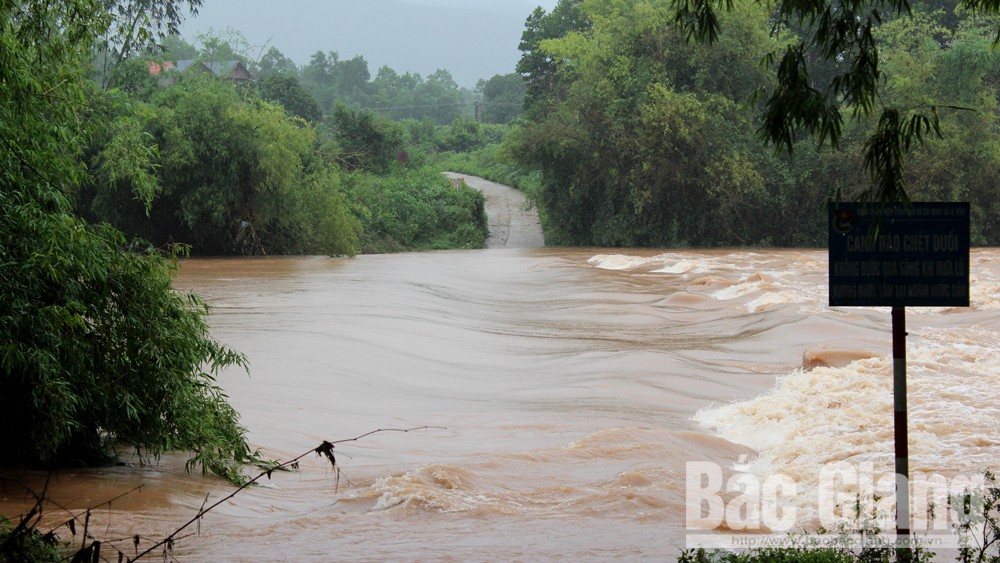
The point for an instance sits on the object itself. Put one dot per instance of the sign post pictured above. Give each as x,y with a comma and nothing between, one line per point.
899,255
902,444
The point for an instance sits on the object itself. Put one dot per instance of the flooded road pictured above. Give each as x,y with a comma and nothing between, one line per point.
567,389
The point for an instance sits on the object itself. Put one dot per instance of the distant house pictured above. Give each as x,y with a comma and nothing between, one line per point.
234,71
168,71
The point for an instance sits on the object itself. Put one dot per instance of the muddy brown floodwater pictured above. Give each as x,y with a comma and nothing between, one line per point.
570,387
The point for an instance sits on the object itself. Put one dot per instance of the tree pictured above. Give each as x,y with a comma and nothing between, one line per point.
502,98
364,140
229,45
846,32
285,89
234,176
275,62
97,351
438,97
393,94
133,77
332,80
637,145
416,208
539,68
351,81
929,58
175,48
466,135
318,78
325,225
408,95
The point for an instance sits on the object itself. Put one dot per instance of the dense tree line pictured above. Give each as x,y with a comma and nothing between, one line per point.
330,80
644,138
408,95
256,167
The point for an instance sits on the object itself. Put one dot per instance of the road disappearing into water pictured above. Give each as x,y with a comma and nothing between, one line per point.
512,220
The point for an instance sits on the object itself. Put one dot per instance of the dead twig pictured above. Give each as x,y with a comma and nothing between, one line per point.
325,449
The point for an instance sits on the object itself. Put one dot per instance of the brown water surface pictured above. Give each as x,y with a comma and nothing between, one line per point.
568,388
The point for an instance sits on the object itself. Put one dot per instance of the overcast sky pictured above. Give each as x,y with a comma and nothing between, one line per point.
472,39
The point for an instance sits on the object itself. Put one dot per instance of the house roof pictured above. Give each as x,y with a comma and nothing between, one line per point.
184,64
234,70
156,68
222,68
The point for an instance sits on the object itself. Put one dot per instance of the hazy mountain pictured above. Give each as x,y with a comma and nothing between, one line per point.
471,38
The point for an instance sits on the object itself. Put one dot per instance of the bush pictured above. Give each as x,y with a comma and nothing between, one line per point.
20,543
415,209
99,351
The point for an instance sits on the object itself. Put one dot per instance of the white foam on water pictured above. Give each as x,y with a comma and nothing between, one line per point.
620,261
773,298
746,286
833,415
682,266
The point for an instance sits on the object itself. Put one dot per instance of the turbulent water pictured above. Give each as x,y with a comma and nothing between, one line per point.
564,390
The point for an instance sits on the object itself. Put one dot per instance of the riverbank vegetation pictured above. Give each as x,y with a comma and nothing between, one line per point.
639,137
621,130
98,354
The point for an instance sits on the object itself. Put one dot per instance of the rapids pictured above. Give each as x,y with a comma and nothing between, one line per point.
566,388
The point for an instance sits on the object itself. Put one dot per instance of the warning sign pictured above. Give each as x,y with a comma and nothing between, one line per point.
909,255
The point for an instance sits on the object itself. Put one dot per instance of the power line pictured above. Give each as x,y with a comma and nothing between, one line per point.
427,106
463,104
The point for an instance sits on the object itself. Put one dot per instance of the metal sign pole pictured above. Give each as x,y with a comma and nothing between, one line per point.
900,435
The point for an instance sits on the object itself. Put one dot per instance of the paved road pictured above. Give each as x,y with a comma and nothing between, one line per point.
513,223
